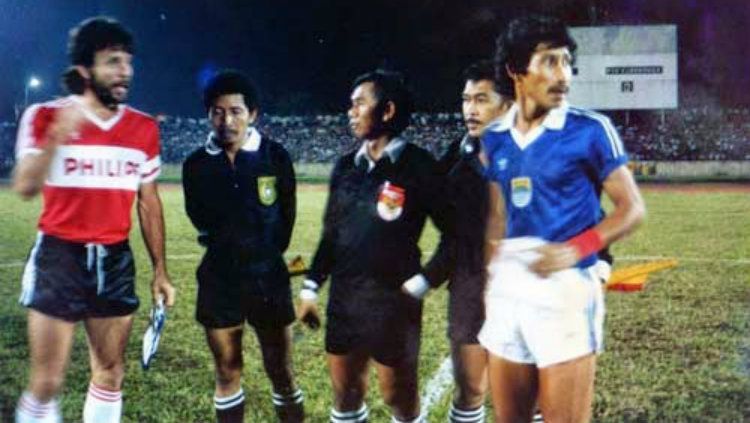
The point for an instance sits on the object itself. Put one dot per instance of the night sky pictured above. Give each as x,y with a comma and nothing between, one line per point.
304,54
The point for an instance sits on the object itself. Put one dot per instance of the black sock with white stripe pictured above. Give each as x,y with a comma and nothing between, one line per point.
466,415
230,409
289,407
357,416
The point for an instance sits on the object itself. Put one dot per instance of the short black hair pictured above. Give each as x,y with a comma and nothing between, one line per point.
390,86
230,82
516,45
96,34
483,70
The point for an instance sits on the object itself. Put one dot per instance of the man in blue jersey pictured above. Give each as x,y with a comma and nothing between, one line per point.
549,162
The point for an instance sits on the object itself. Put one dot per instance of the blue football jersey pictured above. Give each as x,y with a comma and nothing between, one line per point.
551,177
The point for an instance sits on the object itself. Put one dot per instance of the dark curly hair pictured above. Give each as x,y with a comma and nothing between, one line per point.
95,34
230,82
516,45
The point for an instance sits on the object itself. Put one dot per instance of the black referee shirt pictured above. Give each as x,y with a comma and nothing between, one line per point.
373,219
468,189
246,209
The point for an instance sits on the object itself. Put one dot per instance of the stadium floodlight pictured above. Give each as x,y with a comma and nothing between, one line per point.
33,83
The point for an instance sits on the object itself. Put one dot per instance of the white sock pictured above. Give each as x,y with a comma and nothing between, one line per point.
102,405
30,410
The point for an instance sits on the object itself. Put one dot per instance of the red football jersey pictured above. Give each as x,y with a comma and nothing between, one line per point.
94,177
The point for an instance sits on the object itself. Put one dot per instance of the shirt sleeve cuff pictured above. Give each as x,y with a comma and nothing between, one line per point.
417,286
27,151
309,291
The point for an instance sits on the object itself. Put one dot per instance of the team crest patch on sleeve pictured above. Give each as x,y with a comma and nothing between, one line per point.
391,202
521,191
267,190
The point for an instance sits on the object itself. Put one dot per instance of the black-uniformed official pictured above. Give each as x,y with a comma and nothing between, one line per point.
380,197
482,103
240,196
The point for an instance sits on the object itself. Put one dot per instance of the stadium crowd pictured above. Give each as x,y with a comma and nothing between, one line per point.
686,134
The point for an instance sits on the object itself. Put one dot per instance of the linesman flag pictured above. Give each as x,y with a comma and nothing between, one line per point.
153,333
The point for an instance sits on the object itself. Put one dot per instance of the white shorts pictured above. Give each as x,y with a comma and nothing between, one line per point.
541,321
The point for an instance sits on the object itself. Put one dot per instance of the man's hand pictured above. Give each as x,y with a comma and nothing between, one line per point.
161,287
308,313
32,170
67,122
554,257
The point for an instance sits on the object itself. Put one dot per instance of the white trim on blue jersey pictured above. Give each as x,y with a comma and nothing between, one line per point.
614,139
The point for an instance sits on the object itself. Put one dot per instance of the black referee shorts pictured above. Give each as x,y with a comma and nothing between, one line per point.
383,322
465,307
74,281
230,293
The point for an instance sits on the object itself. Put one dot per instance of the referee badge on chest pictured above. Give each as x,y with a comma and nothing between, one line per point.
391,202
521,191
267,190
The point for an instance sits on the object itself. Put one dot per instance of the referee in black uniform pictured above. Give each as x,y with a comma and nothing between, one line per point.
240,196
482,103
380,197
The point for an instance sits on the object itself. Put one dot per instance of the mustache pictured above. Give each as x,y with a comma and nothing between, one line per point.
223,134
474,121
227,131
124,84
559,89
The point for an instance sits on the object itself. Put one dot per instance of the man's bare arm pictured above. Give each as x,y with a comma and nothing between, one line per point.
495,231
151,217
32,170
629,212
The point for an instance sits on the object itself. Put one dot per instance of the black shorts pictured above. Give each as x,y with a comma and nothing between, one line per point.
230,294
73,281
465,308
382,322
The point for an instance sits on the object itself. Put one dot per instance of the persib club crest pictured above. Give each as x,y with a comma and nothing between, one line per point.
521,191
267,190
391,202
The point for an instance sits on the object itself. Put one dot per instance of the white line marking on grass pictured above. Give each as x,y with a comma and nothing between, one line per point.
437,385
182,256
740,261
685,259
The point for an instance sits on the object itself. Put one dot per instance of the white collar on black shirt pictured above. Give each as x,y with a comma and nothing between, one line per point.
251,144
393,150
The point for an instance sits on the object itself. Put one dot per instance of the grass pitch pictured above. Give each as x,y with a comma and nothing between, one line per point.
677,352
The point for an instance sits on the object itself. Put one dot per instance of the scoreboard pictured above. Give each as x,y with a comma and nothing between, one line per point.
625,67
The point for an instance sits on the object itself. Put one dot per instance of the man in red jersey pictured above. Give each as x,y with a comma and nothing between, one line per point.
90,156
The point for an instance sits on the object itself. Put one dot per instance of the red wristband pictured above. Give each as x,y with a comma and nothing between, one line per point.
587,242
